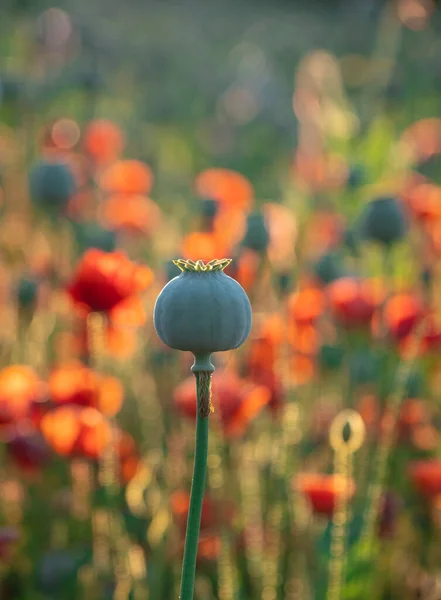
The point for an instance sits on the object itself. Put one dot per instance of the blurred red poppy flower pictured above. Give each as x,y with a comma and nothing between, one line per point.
103,280
402,312
323,491
131,213
203,245
28,450
306,305
230,188
353,301
426,477
75,430
103,141
422,139
424,201
238,401
77,384
127,177
319,171
20,387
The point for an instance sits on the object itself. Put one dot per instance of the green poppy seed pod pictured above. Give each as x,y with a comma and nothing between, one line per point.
256,236
92,235
51,184
202,311
328,268
383,221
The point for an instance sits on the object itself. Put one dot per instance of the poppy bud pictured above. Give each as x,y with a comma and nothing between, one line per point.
202,311
256,236
91,235
27,292
51,185
209,208
383,221
328,268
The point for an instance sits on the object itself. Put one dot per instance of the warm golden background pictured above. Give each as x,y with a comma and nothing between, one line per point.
301,139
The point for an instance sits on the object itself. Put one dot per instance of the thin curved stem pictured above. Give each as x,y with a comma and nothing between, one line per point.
203,385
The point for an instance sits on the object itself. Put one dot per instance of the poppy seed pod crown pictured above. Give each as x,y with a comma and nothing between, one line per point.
202,311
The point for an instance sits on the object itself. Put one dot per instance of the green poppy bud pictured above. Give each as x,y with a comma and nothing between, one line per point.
202,311
51,185
27,291
91,235
328,268
256,236
383,221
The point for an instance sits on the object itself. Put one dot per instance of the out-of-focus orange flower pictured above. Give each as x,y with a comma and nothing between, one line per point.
103,280
128,456
133,214
426,477
323,491
75,430
422,139
302,369
306,305
323,232
121,342
203,245
230,226
103,140
369,408
20,387
230,188
319,172
424,201
352,301
304,339
269,379
425,437
401,314
238,401
246,269
282,228
77,384
127,177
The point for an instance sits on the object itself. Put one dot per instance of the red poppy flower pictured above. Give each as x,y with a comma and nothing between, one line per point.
131,213
77,384
422,139
103,280
75,430
401,313
28,451
353,301
426,477
103,140
424,201
230,188
306,305
203,245
19,388
127,177
323,491
238,401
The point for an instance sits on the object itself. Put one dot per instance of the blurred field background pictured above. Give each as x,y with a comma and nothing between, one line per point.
300,139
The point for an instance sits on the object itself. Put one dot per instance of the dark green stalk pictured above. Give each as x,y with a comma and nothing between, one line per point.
203,385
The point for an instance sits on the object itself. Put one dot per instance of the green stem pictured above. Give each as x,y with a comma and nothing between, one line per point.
203,385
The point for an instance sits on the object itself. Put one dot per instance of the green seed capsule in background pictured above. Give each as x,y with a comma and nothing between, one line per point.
256,237
202,311
383,221
51,185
